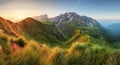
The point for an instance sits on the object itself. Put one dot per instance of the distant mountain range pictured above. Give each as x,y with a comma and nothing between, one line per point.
70,17
115,28
41,17
57,29
69,21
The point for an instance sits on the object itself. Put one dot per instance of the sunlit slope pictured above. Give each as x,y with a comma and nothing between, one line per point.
38,31
9,27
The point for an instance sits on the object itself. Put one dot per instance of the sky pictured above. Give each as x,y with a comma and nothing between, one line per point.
16,10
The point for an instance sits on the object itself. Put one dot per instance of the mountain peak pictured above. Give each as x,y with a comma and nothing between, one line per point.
71,14
41,17
1,18
74,18
27,19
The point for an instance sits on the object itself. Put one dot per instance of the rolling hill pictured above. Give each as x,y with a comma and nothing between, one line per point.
38,31
9,27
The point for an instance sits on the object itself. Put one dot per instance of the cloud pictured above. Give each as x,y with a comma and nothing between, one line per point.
4,1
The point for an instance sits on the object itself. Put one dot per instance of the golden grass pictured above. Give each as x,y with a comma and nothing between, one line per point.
53,54
41,54
0,49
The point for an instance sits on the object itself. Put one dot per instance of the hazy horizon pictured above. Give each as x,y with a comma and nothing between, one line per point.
17,10
76,32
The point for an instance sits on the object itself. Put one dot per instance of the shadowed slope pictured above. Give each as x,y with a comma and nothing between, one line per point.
39,31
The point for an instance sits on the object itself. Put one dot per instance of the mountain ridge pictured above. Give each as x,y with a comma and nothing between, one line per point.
61,28
9,27
41,17
115,28
68,22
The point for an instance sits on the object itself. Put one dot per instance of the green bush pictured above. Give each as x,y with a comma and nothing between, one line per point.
21,42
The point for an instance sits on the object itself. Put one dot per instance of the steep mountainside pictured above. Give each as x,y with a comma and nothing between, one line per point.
75,19
68,22
39,31
9,27
71,20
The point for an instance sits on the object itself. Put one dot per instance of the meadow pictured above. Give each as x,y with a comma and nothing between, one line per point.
20,51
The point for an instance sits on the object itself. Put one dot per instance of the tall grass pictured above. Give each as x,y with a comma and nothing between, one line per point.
79,53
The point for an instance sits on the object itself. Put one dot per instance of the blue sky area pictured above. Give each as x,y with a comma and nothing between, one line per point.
97,9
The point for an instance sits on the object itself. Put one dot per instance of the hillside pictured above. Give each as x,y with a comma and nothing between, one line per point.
68,39
71,21
9,27
57,29
20,51
40,32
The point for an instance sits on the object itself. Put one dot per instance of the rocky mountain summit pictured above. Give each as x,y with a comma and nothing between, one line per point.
72,17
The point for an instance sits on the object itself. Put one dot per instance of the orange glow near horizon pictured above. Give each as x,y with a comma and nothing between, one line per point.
17,10
18,15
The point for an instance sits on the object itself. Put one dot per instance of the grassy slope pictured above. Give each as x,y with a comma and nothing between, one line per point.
38,31
83,49
9,27
85,46
98,33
